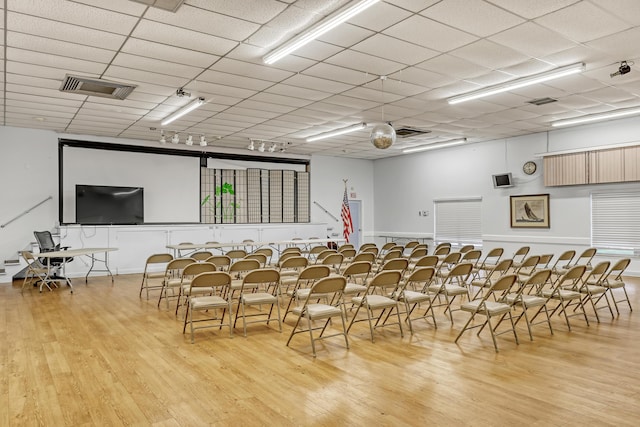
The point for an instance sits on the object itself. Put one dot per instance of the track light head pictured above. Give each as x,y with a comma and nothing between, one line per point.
623,69
273,148
163,140
203,141
189,140
251,146
175,138
261,147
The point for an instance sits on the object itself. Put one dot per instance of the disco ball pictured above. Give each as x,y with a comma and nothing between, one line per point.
383,136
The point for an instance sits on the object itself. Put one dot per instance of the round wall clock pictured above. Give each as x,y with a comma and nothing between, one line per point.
529,168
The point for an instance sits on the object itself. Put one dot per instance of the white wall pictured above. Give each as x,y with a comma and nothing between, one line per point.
327,189
407,184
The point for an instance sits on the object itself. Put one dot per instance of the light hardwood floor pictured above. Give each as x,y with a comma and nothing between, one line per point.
102,356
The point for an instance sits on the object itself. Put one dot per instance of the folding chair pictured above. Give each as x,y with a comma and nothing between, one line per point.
156,260
565,291
258,281
592,288
452,286
304,281
188,273
420,278
498,307
173,277
613,280
217,283
35,273
529,295
330,288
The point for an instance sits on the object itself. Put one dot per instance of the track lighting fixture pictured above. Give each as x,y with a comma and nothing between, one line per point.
182,111
519,83
189,140
251,146
203,141
163,140
317,30
273,147
175,138
261,147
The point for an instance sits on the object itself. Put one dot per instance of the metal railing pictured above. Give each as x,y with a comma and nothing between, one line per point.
326,211
25,212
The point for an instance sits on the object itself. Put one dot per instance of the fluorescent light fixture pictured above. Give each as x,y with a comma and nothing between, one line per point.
337,132
597,117
519,83
435,145
182,111
317,30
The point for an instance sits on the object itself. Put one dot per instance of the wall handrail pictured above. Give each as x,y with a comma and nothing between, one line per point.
326,211
25,212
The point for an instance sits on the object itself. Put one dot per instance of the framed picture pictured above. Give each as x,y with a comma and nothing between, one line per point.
530,211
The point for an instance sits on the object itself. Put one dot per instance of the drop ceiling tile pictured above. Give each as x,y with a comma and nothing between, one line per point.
55,61
51,100
533,40
346,35
164,33
126,60
57,47
365,63
421,77
130,74
583,22
396,87
622,45
40,71
428,33
263,106
77,14
371,94
258,11
240,118
38,91
205,21
351,102
339,74
453,67
168,53
280,99
297,92
473,16
379,16
394,49
233,80
576,84
122,6
317,51
39,112
20,79
251,70
532,9
609,95
489,54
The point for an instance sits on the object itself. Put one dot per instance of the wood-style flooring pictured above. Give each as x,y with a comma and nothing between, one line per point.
104,357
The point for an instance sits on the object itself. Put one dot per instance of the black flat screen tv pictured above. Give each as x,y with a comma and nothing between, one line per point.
106,205
502,180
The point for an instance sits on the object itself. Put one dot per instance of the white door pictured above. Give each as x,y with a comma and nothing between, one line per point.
355,206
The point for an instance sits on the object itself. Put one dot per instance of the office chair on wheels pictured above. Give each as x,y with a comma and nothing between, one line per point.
46,244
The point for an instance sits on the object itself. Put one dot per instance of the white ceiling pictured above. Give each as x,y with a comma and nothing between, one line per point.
430,50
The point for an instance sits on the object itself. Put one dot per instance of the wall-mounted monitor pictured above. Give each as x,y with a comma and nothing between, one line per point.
107,205
502,180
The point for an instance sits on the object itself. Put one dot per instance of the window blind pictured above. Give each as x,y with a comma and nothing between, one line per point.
458,221
615,221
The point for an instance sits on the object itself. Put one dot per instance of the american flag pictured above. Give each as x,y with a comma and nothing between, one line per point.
347,225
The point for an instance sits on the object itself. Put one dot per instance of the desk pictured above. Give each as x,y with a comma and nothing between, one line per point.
90,252
233,245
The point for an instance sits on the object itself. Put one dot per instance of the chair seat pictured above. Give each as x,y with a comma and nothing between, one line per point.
593,289
237,284
375,301
187,290
527,300
565,294
288,281
493,308
413,297
302,294
354,288
483,283
204,303
259,298
175,283
155,275
613,285
448,289
317,311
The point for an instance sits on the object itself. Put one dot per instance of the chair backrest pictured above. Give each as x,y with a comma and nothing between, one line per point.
529,263
334,259
442,250
452,258
268,252
460,272
616,271
544,261
387,246
221,261
471,256
357,268
314,272
211,279
243,265
365,246
586,257
537,280
345,247
466,248
392,254
564,259
201,255
399,264
294,250
348,253
292,262
328,285
322,255
158,259
236,254
501,267
283,257
199,267
176,266
573,276
427,261
385,279
421,275
504,283
417,253
261,258
597,273
371,249
314,251
45,241
442,245
411,244
266,276
364,256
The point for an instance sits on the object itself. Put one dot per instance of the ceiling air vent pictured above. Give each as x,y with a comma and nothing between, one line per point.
170,5
542,101
407,132
95,87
